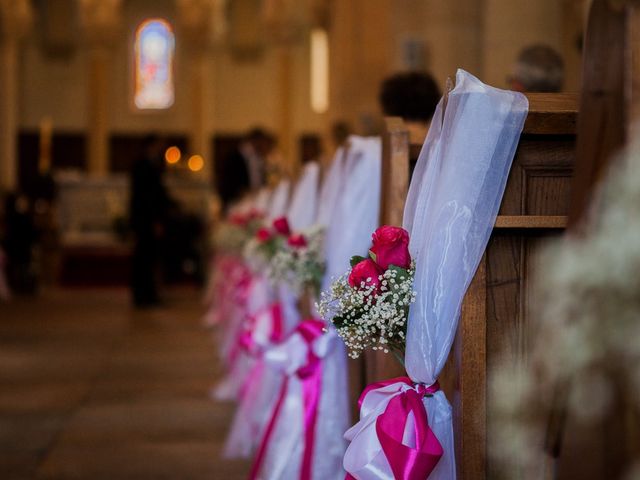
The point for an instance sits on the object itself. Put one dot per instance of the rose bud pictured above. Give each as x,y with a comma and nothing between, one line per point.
391,247
297,240
263,234
366,271
281,225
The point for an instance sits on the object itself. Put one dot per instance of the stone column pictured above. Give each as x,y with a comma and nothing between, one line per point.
285,22
15,20
100,20
199,24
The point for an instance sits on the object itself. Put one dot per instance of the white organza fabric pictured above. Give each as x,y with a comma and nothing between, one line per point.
304,200
453,201
356,211
331,188
261,202
279,200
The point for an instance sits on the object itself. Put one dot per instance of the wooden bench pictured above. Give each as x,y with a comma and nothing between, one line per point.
495,311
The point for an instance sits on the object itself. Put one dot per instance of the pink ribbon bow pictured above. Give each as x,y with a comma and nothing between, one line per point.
386,410
309,372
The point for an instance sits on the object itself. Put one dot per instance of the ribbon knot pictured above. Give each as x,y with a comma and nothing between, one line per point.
393,434
309,372
427,390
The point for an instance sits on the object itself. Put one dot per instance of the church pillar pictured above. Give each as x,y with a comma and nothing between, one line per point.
197,20
285,81
286,24
15,17
100,20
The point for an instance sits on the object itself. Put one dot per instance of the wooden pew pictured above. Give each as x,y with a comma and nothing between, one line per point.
495,311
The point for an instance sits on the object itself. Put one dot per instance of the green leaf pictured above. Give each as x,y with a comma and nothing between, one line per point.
373,256
400,271
356,259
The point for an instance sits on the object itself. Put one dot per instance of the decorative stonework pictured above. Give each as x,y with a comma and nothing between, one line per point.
202,22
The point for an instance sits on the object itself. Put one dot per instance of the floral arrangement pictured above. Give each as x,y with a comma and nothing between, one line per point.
585,358
233,233
265,243
369,305
299,262
295,258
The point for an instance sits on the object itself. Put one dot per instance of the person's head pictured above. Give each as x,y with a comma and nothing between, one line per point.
261,141
539,68
340,131
413,96
152,145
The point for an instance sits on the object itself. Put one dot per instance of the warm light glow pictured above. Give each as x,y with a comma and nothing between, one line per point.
154,48
172,155
195,163
319,70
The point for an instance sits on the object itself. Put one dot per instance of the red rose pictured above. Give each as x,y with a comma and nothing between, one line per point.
366,271
263,234
281,226
297,240
391,247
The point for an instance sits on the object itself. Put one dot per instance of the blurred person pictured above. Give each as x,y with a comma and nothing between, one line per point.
413,96
148,209
244,170
340,131
19,240
538,68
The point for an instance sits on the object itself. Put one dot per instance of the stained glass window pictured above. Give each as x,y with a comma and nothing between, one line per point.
154,50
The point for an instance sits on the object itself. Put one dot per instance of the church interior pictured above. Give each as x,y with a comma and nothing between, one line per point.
162,160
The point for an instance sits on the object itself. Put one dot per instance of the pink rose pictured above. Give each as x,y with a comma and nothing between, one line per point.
281,225
263,234
366,271
391,247
297,240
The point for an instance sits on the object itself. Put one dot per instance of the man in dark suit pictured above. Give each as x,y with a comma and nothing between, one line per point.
244,170
149,203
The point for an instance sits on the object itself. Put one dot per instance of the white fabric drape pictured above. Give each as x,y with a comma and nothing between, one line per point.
304,200
356,212
331,188
453,200
261,202
279,200
349,208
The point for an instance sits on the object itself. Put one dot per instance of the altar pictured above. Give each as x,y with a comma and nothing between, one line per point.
95,243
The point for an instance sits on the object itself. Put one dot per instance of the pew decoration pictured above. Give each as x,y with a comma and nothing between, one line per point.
405,429
299,263
295,259
231,236
369,305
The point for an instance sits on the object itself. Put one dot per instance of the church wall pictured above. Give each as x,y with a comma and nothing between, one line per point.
243,93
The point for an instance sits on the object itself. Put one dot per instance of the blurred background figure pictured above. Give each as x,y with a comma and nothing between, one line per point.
340,132
19,241
149,206
244,170
538,68
413,96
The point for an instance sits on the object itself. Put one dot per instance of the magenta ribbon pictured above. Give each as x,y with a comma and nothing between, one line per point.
310,374
407,463
248,344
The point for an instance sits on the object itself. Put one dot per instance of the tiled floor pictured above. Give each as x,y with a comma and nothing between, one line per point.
90,389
